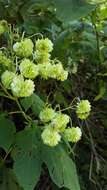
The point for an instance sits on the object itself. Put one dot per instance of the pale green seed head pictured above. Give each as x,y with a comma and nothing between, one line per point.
28,69
60,121
23,48
83,109
47,114
42,57
44,45
21,88
50,137
7,78
73,134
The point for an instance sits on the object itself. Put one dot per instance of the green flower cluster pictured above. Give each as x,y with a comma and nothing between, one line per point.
30,64
83,109
56,124
17,84
48,68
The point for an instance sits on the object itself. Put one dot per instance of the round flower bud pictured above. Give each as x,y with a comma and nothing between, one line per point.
60,121
44,70
50,137
17,85
21,88
44,45
41,57
58,72
23,48
47,114
83,109
28,88
3,26
73,134
7,78
28,69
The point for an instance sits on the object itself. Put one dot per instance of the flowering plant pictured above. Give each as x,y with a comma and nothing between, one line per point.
46,131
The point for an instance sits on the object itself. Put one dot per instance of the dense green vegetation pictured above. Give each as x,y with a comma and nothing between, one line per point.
34,155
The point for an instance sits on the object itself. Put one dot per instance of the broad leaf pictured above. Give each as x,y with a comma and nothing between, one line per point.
69,10
61,168
27,162
7,132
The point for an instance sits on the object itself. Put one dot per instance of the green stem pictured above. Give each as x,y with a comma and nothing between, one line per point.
6,92
28,118
93,19
23,113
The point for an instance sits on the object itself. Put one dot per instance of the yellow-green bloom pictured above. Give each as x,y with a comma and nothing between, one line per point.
41,57
47,114
44,70
28,69
57,72
60,121
73,134
28,88
21,87
44,45
83,109
50,137
7,78
23,48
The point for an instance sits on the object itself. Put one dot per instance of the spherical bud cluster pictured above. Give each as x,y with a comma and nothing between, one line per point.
45,70
42,57
23,48
57,123
44,45
73,134
48,68
60,121
83,109
4,60
57,72
47,114
21,87
28,69
3,26
7,78
50,137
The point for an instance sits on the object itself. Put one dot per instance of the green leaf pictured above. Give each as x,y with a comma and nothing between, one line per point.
69,10
61,168
34,102
27,160
8,180
7,132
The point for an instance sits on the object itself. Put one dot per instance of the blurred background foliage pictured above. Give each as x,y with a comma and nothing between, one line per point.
78,29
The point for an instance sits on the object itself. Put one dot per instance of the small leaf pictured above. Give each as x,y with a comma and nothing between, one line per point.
7,132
